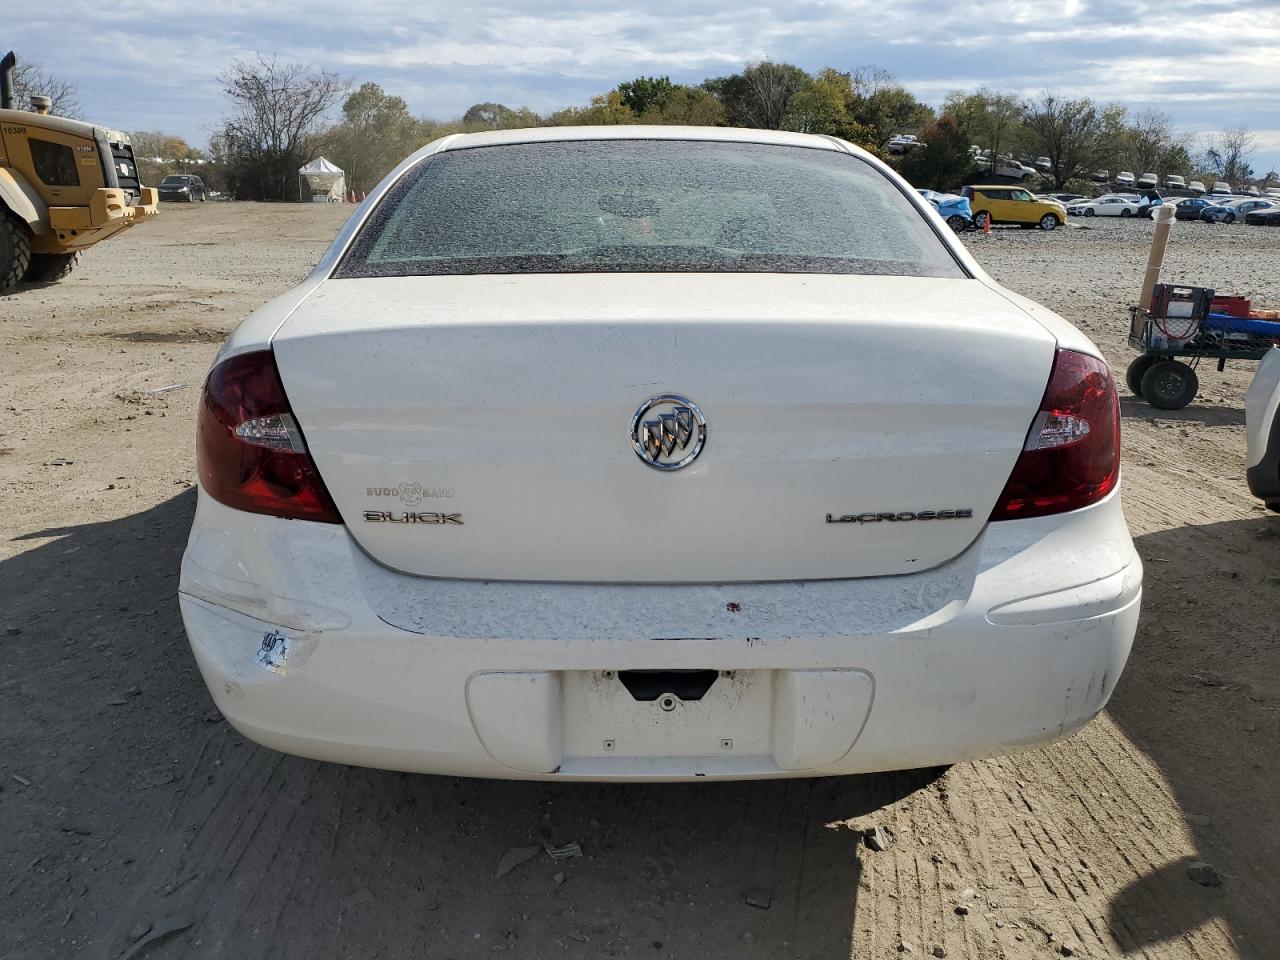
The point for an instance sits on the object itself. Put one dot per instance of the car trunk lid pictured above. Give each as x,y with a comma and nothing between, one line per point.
479,427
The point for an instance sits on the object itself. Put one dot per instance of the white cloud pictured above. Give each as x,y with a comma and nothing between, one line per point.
146,63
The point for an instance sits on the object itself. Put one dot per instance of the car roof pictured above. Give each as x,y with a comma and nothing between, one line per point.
491,138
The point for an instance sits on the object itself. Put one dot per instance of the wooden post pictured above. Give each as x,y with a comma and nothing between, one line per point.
1163,216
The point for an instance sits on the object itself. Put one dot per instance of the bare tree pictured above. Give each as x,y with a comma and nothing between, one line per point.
276,125
1150,141
870,80
1071,133
30,80
768,89
1227,154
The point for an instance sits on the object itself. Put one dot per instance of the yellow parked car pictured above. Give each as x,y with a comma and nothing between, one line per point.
1008,204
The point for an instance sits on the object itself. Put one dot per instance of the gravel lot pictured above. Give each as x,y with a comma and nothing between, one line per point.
127,805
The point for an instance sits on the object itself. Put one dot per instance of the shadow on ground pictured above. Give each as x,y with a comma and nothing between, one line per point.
1201,697
1209,415
141,806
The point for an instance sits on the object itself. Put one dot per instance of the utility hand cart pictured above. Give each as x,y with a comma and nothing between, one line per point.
1177,331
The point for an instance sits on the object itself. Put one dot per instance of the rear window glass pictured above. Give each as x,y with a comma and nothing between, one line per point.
646,206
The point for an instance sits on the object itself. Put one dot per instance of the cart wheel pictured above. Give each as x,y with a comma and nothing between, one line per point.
1169,385
1133,375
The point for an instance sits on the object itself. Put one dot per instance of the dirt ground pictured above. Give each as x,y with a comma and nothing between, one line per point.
127,804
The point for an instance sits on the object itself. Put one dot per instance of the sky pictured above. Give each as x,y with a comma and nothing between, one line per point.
154,65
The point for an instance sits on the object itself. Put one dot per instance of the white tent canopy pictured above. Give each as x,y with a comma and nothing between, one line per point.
322,181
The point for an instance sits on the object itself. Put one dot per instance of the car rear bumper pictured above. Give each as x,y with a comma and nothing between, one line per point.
310,647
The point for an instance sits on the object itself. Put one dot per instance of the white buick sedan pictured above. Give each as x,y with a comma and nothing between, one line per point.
656,453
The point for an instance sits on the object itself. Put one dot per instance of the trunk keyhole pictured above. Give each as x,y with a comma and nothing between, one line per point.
668,701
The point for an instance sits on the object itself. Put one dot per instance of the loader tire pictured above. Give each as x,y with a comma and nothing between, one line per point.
49,267
15,253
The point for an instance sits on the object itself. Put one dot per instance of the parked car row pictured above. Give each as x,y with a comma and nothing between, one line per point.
1221,209
1209,209
1126,179
1024,167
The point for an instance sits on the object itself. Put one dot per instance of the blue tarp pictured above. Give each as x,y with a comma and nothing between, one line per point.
1257,328
949,204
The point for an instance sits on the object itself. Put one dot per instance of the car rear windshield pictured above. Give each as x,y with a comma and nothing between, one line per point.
646,206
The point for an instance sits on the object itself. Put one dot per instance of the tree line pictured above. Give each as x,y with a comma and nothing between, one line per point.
282,115
866,106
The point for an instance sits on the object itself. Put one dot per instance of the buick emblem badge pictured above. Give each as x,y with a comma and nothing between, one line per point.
668,432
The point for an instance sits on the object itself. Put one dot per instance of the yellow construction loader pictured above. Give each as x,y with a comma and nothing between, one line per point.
64,185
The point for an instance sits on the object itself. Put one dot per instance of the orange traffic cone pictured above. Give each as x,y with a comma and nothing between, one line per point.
986,223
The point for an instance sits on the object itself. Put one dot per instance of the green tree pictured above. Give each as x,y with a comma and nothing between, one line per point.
942,160
989,119
687,105
645,93
605,109
1147,141
376,133
498,116
1177,159
883,106
821,105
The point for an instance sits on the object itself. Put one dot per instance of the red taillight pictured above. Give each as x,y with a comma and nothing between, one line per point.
249,451
1071,457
